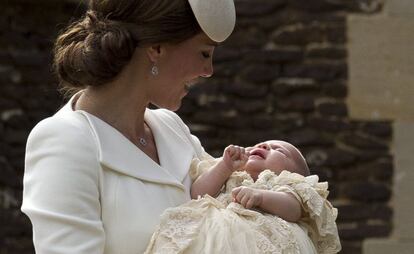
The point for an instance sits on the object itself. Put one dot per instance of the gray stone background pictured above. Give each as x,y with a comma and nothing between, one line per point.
283,74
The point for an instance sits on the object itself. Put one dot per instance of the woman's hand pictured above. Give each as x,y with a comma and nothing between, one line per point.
234,157
247,197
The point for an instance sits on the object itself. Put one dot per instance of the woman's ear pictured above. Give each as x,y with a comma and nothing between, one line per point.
154,52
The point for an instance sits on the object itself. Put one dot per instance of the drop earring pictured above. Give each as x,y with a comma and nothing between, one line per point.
154,70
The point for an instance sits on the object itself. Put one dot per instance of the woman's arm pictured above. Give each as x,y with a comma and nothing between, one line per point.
61,190
211,181
282,204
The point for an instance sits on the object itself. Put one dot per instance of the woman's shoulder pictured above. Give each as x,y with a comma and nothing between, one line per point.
64,125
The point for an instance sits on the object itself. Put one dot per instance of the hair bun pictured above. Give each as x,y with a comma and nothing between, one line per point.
93,51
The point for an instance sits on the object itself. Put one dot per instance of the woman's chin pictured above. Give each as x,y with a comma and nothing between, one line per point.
171,106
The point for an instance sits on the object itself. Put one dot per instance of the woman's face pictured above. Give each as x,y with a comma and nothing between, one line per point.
180,66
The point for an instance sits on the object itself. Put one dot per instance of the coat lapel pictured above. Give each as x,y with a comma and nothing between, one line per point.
119,154
174,150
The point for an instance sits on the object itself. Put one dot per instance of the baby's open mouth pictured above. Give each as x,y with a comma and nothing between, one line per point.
258,152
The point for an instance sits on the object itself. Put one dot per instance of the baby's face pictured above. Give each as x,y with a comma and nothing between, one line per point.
275,155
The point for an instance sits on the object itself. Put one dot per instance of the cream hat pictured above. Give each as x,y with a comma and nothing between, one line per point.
216,18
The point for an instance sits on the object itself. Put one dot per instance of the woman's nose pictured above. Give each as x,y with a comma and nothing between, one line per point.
208,70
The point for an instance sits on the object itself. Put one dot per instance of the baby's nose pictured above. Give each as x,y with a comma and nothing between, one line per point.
264,146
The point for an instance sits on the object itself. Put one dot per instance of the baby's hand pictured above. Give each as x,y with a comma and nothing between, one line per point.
247,197
234,157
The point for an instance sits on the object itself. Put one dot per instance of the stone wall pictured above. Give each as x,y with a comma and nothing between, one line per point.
381,69
281,75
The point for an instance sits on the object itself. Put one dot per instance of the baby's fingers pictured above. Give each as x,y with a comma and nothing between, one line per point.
235,191
230,151
244,157
244,200
250,203
237,153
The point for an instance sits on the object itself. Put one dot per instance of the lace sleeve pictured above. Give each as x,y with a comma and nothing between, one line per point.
318,213
200,165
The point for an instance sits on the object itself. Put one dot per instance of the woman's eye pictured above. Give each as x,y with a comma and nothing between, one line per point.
206,54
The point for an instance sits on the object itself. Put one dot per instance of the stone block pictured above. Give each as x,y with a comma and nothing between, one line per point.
380,169
288,122
16,120
290,16
314,33
288,86
377,128
359,231
257,7
14,223
250,106
324,174
227,70
366,191
250,38
318,71
249,138
246,90
329,124
7,104
364,141
363,212
8,176
308,137
326,52
260,73
225,54
365,6
316,157
337,157
16,137
319,5
351,247
338,109
30,58
13,245
279,55
261,121
203,130
335,89
295,103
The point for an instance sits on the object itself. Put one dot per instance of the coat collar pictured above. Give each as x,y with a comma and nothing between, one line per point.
117,153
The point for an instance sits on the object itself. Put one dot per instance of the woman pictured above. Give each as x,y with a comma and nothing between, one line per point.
101,170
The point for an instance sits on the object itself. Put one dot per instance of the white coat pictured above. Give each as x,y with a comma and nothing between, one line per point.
89,190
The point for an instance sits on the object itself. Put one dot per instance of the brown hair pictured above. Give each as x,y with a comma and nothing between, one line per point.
93,50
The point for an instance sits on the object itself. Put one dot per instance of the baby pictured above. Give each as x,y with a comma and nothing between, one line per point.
259,199
274,155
